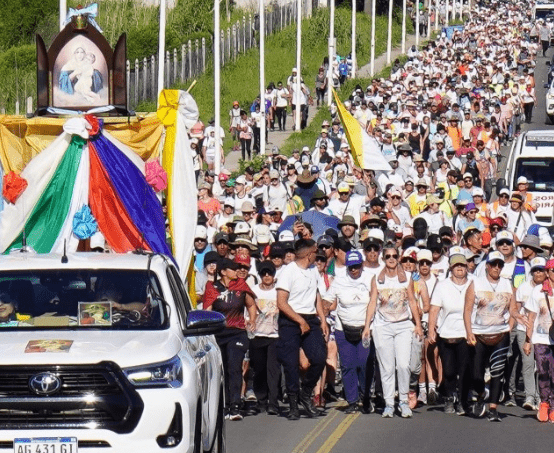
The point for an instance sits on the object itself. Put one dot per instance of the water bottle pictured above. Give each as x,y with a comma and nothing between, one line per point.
366,341
250,333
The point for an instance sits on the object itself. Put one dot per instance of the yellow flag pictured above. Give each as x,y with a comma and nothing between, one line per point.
353,132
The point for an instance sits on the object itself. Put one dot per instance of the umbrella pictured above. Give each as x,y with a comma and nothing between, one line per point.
319,221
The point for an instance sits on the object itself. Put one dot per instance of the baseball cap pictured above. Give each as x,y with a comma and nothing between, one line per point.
229,202
424,254
242,228
314,169
266,266
504,235
326,240
201,232
247,206
478,192
223,177
470,206
504,191
211,257
343,244
241,180
343,187
467,175
353,258
457,259
522,180
286,235
226,263
537,263
273,174
221,237
243,260
495,256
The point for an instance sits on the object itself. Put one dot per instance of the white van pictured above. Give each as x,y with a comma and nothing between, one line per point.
542,10
532,156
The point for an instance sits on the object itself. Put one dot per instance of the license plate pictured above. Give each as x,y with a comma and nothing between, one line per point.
45,445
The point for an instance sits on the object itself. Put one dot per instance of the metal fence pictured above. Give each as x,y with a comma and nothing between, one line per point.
192,59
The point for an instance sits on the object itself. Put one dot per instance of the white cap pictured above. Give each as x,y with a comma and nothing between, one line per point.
344,146
343,187
467,175
456,250
286,235
504,191
478,192
294,70
495,256
340,154
305,148
522,180
241,180
229,202
504,235
537,262
273,174
263,235
376,233
424,254
201,232
242,228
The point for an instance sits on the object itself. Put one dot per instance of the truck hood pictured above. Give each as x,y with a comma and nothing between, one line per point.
126,348
545,207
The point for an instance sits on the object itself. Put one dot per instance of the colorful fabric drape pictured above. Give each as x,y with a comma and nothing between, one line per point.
75,171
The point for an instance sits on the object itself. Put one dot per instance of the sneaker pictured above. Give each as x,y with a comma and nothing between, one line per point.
449,406
422,398
529,404
479,408
493,415
510,402
461,409
234,413
368,407
432,397
542,414
405,410
250,396
388,412
412,399
352,408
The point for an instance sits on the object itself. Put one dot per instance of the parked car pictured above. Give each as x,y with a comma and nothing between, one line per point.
103,352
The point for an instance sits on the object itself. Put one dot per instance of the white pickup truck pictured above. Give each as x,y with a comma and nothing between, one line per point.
104,353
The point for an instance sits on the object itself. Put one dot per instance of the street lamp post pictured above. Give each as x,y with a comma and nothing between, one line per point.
217,87
389,36
353,39
403,26
63,12
372,57
331,52
262,78
161,49
298,86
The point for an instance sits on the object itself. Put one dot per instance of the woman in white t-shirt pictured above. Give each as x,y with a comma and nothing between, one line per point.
263,347
446,327
392,313
349,296
540,313
488,304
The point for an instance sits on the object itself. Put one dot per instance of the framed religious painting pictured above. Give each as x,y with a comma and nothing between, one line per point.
81,72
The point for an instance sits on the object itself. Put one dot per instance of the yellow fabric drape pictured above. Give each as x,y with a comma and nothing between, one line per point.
23,138
168,104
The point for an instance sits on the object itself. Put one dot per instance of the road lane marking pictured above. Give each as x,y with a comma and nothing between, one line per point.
317,430
338,433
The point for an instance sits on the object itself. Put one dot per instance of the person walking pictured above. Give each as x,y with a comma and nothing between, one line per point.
488,303
446,327
349,296
390,309
230,296
539,309
301,325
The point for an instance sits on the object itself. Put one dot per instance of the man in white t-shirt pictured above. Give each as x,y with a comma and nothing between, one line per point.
347,203
301,325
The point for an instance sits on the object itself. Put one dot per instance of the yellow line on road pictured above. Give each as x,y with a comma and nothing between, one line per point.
338,433
317,430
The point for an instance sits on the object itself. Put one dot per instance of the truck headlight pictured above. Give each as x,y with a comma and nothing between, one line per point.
549,95
164,374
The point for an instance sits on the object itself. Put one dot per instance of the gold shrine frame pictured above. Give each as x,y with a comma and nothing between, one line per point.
80,75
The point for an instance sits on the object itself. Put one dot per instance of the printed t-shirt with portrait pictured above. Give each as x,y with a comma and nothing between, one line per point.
392,302
301,284
268,313
537,304
352,297
230,303
491,307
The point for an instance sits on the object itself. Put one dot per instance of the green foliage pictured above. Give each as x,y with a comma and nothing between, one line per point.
256,163
17,75
20,19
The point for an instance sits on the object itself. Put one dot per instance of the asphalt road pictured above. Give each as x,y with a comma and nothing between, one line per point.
429,431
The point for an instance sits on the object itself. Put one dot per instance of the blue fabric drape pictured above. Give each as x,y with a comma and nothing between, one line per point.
135,193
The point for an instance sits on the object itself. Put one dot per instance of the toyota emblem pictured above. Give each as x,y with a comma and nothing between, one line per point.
45,383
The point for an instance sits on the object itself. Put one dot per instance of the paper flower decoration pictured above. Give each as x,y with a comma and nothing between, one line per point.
84,223
156,175
14,185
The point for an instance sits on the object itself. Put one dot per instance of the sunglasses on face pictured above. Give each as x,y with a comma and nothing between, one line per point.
324,247
468,179
498,264
501,243
394,257
495,228
504,196
395,197
424,263
355,267
372,248
408,260
321,259
200,240
266,272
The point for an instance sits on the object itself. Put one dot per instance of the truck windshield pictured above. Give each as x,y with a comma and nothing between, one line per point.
544,11
538,171
81,299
